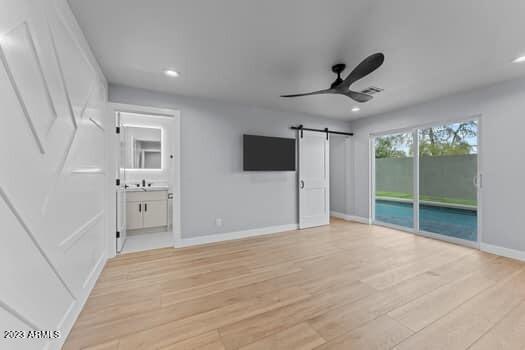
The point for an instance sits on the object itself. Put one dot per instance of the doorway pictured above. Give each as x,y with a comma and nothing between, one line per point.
147,178
426,180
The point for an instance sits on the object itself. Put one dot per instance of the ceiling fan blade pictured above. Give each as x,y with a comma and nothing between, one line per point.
320,92
367,66
357,96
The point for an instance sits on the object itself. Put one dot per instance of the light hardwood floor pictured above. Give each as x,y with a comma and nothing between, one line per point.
343,286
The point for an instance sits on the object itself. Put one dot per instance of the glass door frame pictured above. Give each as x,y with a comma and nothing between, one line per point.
414,131
415,191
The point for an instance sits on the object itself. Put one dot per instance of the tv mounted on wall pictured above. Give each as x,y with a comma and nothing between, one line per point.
262,153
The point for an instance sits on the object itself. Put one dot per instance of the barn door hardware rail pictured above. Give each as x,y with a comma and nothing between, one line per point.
325,130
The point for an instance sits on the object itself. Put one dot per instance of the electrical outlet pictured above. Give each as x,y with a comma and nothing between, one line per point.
218,222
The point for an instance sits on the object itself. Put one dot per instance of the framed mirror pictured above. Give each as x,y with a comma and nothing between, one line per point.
143,147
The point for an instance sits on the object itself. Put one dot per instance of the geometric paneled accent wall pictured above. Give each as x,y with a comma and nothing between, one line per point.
52,103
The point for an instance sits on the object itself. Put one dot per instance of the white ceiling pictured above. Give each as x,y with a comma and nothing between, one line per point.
251,51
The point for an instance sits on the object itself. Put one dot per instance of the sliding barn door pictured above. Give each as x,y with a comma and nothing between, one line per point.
314,175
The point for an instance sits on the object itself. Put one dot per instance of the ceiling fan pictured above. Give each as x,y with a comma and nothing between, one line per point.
342,87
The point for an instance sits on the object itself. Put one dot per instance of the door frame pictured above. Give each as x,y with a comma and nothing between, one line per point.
120,191
416,229
112,152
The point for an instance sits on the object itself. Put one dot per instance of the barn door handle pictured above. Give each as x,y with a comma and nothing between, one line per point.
302,184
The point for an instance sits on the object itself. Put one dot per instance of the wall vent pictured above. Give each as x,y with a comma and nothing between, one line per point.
372,90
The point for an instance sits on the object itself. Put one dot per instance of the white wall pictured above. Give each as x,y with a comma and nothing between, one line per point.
502,160
52,206
213,184
339,163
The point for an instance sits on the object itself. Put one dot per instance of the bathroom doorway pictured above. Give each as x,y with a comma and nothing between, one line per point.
147,178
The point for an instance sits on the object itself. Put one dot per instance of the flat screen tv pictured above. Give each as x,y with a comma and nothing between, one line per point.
262,153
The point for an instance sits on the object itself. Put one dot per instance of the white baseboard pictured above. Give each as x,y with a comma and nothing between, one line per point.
347,217
187,242
502,251
71,315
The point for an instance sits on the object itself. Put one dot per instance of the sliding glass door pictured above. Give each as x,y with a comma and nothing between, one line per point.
394,195
448,168
426,180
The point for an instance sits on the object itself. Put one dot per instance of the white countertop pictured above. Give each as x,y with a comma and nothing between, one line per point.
147,189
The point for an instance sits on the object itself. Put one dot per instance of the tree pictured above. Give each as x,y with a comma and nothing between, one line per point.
389,147
450,139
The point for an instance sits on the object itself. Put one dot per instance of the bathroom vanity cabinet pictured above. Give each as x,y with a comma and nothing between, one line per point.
146,209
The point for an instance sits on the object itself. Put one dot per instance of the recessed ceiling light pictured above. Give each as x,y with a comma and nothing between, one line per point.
171,73
519,59
356,109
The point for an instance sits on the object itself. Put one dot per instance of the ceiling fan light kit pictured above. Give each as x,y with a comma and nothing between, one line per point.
341,86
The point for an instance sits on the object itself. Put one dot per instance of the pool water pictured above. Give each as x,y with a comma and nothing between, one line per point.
452,222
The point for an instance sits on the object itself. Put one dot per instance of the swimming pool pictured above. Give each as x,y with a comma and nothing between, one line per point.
452,222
